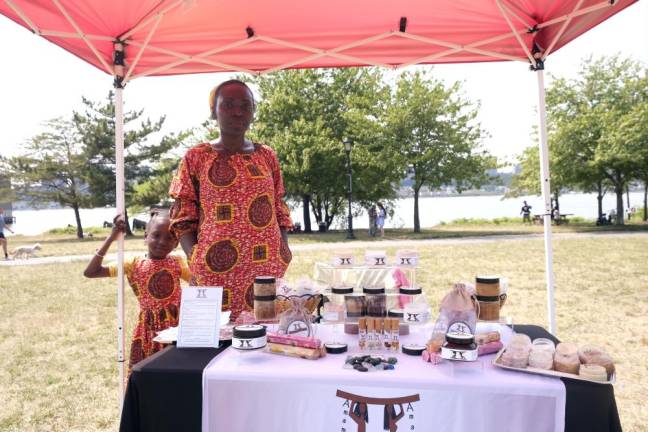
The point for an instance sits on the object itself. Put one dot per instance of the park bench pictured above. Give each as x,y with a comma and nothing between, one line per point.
563,219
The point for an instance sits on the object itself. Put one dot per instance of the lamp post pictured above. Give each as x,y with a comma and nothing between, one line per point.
347,148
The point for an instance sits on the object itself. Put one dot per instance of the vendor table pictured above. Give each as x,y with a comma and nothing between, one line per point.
164,394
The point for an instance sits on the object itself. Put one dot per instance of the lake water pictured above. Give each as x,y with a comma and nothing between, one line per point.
432,211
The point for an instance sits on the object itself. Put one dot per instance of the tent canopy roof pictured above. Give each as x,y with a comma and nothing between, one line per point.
166,37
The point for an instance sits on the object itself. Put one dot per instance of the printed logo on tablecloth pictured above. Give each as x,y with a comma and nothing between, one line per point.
356,409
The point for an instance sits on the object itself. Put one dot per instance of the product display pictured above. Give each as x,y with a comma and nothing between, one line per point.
376,305
596,356
248,337
413,349
368,363
355,305
335,347
265,294
593,372
566,358
293,340
294,351
459,346
541,359
297,319
488,286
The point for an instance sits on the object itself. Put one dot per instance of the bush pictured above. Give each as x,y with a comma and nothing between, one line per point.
73,230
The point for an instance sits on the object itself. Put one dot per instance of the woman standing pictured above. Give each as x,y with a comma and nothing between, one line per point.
229,213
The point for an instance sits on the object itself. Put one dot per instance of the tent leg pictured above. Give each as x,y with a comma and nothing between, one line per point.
119,162
546,194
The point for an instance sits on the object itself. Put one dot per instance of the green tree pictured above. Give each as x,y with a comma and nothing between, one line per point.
305,115
96,126
632,131
584,114
52,168
434,132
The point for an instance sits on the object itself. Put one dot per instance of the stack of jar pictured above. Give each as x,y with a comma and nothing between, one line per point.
490,297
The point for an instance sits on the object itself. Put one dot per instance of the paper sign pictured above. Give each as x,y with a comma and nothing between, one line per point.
200,310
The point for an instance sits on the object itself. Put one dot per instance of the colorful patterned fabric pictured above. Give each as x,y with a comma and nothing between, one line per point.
235,205
156,284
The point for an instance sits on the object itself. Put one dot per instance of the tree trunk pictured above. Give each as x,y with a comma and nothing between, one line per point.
628,195
599,198
77,216
556,200
645,218
129,233
307,221
417,222
619,189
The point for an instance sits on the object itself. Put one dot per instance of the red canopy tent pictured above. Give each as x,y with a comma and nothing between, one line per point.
133,39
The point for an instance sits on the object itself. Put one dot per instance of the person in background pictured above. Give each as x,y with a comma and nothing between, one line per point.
229,213
372,220
380,219
3,239
526,212
155,280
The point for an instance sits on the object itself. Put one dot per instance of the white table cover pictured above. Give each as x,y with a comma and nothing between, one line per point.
266,392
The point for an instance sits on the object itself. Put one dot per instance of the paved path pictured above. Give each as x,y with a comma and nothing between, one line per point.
356,245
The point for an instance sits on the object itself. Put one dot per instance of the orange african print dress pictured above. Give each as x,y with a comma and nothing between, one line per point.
235,205
156,284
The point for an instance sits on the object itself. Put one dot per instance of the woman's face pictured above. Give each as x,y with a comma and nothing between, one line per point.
234,109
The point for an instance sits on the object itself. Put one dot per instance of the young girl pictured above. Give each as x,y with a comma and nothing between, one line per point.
155,281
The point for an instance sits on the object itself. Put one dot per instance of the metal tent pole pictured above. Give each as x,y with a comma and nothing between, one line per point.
121,206
546,194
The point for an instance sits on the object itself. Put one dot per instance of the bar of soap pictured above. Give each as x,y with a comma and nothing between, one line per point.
293,351
593,372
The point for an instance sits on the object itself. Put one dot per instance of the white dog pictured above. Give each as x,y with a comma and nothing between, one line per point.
26,251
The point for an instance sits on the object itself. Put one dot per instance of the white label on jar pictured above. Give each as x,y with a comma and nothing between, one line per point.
411,261
343,261
245,344
458,354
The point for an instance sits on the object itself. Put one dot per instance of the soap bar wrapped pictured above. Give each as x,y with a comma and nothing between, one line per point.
295,351
489,347
484,338
294,340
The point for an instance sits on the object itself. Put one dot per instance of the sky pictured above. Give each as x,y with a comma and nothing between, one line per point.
40,81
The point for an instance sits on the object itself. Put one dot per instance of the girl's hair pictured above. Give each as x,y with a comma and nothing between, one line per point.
157,214
213,95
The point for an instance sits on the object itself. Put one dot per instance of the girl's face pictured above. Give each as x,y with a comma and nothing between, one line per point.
159,239
234,109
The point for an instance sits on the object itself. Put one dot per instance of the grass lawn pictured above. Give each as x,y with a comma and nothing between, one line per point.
58,370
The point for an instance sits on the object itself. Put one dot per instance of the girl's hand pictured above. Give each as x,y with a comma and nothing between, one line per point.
119,226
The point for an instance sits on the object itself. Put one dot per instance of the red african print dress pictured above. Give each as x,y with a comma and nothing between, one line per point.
235,205
156,284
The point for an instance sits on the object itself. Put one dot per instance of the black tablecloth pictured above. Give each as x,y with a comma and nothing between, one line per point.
165,393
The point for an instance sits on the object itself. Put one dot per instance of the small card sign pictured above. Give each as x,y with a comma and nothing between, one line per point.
200,310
